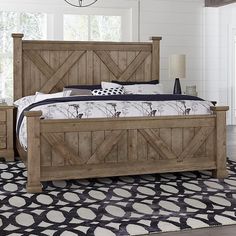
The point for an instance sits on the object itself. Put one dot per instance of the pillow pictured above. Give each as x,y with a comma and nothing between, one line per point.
131,83
25,101
108,91
43,96
143,89
83,86
106,85
80,92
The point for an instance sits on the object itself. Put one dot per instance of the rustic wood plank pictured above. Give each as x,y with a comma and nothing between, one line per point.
97,139
65,79
132,145
98,124
10,133
148,68
97,69
188,134
3,130
112,156
122,147
115,57
140,72
105,73
105,147
69,62
142,148
221,171
40,63
85,145
108,169
165,135
46,153
58,151
155,58
133,66
130,57
17,65
202,149
72,141
177,140
111,65
158,144
90,67
196,142
33,154
85,46
82,69
61,149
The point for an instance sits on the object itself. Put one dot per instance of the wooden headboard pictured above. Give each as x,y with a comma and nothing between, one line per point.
48,66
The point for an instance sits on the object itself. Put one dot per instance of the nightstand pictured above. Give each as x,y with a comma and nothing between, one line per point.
6,132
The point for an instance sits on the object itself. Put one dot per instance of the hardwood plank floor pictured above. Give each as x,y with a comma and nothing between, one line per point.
216,231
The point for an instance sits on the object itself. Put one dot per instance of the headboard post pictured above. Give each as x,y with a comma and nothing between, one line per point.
156,58
17,65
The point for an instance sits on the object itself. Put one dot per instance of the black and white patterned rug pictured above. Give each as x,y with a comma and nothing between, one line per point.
115,206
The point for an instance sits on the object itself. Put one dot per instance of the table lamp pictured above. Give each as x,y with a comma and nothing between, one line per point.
177,70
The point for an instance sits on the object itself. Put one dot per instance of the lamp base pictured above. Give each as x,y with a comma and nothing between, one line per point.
177,87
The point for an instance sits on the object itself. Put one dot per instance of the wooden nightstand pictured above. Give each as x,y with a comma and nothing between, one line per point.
6,132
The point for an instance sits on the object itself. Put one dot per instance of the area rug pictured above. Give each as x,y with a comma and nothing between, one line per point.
115,206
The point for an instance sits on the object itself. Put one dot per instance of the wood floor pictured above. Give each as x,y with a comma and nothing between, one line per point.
216,231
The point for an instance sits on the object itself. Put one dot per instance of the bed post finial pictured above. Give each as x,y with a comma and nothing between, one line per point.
155,57
17,65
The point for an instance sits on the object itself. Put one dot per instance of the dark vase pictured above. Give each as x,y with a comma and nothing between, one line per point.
177,87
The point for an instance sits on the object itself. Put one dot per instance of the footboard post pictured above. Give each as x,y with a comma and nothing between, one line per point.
33,151
220,112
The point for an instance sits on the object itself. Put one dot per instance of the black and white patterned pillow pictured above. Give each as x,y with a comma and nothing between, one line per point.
108,91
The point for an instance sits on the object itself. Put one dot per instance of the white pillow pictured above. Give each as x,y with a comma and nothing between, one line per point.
107,85
143,89
42,96
24,101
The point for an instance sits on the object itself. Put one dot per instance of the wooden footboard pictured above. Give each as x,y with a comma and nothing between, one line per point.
87,148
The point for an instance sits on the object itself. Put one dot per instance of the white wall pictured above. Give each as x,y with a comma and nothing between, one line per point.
180,23
219,77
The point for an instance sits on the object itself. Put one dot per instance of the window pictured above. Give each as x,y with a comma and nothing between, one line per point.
92,27
33,25
60,21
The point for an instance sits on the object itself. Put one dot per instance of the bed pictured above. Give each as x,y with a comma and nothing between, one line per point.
59,149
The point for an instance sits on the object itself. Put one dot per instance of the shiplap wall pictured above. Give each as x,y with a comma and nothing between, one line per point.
181,24
220,28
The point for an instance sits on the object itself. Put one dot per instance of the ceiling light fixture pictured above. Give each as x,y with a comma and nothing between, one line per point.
80,3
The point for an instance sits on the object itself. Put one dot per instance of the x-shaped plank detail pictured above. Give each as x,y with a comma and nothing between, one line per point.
53,76
106,146
61,148
164,150
114,68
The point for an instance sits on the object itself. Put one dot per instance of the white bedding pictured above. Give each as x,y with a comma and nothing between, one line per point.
108,109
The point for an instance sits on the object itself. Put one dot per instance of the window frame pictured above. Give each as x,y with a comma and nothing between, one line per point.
55,10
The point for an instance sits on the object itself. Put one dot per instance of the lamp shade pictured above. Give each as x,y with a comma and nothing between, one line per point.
177,66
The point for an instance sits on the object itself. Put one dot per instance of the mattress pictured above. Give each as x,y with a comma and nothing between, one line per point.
113,106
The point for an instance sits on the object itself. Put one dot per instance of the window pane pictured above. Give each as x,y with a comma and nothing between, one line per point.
106,28
32,25
75,27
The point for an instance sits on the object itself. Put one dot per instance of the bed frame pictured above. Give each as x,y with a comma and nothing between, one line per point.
87,148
